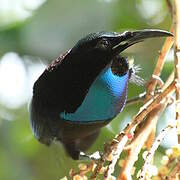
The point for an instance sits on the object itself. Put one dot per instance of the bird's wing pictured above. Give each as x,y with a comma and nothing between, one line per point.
63,85
58,60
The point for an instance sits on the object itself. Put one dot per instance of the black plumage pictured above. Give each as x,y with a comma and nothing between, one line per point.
66,90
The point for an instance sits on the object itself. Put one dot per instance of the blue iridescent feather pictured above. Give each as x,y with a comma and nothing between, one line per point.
104,100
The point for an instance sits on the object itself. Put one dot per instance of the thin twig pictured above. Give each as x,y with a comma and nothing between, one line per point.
135,100
117,143
175,171
115,156
151,152
138,118
176,15
168,81
170,7
136,146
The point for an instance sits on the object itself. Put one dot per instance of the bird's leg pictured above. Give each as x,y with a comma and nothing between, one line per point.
72,150
84,143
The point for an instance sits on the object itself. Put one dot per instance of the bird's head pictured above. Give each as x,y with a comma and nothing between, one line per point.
101,47
107,43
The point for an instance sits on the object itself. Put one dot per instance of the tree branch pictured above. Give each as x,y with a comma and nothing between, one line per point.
176,16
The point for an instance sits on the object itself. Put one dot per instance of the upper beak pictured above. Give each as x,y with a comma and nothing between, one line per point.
129,38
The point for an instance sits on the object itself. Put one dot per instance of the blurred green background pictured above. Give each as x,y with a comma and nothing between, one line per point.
32,33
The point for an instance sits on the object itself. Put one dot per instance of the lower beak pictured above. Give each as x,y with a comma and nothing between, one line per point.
129,38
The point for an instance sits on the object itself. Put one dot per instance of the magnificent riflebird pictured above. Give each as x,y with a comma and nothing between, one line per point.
84,89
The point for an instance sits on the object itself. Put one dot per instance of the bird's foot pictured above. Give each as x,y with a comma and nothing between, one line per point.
94,157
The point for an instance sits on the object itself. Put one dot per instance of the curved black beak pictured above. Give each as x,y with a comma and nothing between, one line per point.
129,38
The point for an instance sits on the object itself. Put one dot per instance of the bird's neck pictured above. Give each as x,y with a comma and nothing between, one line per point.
105,99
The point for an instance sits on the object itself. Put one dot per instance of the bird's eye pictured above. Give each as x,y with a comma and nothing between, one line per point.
103,44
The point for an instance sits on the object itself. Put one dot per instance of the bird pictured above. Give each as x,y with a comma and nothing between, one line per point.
84,89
